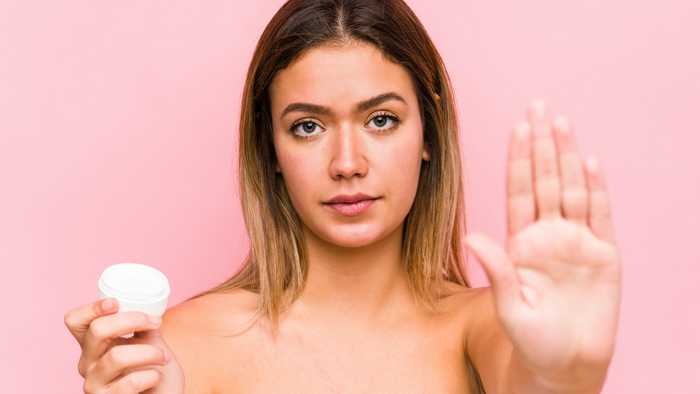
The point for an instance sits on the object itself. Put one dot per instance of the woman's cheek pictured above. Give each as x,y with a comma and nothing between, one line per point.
407,182
302,180
405,173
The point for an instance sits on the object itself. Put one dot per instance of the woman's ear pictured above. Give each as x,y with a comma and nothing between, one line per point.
426,154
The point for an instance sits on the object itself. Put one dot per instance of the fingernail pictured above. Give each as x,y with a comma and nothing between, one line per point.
522,130
470,241
537,106
592,164
107,304
154,319
562,124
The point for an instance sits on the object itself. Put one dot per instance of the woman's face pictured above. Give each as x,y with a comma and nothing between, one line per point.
332,145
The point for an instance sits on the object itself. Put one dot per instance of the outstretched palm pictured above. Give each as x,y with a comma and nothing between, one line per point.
557,283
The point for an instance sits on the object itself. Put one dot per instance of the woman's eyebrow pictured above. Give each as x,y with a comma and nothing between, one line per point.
359,107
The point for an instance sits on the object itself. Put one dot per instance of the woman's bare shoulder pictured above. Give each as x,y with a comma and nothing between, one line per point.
485,340
463,307
196,329
210,312
473,304
462,299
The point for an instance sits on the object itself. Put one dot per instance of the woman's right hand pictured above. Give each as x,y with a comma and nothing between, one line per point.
115,365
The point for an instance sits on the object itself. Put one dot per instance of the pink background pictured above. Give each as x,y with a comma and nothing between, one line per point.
119,121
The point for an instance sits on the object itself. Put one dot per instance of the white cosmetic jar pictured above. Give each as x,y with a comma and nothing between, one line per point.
137,287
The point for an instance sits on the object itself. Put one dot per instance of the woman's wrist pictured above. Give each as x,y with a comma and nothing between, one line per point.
580,378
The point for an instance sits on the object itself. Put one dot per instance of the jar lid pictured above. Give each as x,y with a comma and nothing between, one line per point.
134,282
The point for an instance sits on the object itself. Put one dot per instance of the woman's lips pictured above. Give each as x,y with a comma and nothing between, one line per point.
351,209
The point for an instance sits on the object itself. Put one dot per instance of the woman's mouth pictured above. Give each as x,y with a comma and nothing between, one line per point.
351,209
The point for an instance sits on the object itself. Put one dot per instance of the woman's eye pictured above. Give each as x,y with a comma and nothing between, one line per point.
381,121
304,128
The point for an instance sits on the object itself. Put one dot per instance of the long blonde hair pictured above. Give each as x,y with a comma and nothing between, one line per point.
276,265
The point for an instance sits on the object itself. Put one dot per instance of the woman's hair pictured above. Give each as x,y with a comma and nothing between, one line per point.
276,265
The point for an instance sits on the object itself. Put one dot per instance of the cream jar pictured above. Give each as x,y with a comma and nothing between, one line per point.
137,287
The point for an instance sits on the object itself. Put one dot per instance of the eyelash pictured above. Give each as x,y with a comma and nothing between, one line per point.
393,118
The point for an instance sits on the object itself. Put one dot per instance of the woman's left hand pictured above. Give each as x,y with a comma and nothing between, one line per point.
557,284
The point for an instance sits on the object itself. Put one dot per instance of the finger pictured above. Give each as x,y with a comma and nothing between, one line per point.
547,186
104,330
499,269
78,320
599,218
574,195
120,358
521,198
135,382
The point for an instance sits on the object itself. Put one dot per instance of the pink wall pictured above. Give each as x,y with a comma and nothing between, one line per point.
119,120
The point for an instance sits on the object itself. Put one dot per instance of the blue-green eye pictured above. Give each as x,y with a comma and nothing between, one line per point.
305,128
381,119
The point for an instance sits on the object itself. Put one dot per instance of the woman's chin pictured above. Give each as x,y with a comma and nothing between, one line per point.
352,236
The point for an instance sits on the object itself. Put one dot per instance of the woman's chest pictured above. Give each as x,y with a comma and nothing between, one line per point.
427,359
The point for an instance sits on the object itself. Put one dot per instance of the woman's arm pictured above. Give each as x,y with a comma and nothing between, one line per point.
551,320
179,330
487,344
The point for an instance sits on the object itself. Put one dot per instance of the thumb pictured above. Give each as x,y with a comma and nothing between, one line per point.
498,268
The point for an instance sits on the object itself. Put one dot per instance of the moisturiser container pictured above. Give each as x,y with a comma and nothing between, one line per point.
137,287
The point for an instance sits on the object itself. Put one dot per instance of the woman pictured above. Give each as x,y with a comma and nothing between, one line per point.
352,196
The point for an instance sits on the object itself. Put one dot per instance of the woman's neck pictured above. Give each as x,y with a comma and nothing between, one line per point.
360,284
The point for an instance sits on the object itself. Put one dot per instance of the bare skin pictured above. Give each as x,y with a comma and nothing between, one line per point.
412,353
355,329
547,324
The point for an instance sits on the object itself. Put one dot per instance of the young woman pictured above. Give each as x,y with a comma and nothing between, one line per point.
351,190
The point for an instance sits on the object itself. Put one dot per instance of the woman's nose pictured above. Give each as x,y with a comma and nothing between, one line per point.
348,153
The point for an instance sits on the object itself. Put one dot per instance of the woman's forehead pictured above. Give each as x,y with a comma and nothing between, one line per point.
339,76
